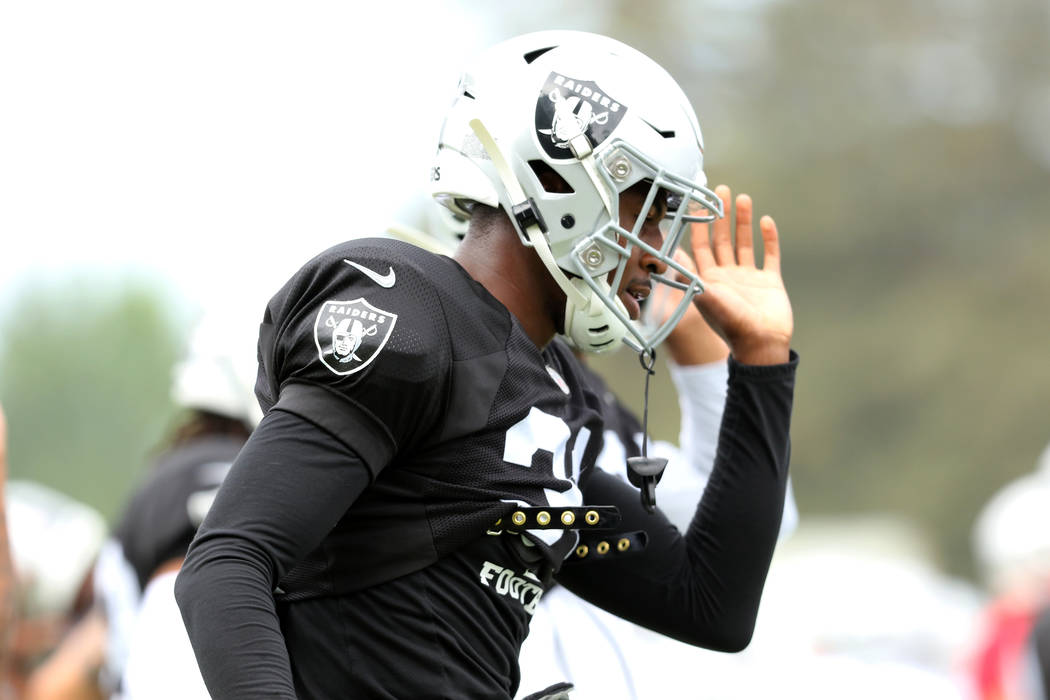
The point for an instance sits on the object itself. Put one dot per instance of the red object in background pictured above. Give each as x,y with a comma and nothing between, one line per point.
997,662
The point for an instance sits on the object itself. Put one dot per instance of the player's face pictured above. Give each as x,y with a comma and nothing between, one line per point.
635,284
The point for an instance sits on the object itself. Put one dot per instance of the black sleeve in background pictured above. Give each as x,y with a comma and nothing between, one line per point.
287,489
704,588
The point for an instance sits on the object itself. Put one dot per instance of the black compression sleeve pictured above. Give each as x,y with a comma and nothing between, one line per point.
288,487
704,588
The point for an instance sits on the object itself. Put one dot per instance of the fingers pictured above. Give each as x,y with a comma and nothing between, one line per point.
721,239
745,250
720,249
770,243
701,245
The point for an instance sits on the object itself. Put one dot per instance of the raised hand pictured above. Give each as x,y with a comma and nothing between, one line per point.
691,342
746,305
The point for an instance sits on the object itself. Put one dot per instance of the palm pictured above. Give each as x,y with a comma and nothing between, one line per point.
742,302
745,304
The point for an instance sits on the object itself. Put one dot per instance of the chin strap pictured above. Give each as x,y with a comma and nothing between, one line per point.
644,472
580,146
527,214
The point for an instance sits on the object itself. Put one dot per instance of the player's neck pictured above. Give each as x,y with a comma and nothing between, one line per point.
515,276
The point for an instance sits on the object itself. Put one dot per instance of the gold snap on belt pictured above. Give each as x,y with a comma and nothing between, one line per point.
582,518
619,545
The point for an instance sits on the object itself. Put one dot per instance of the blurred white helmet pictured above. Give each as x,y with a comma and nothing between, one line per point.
1042,465
54,542
426,224
1012,534
218,373
552,127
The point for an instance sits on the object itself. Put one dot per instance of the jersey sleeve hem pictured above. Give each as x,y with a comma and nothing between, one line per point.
345,419
764,373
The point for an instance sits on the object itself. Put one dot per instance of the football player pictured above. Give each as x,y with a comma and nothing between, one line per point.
394,520
7,571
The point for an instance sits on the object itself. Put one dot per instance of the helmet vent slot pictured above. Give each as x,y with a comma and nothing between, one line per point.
667,134
536,53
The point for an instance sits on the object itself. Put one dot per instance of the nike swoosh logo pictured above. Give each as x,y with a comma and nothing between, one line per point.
385,281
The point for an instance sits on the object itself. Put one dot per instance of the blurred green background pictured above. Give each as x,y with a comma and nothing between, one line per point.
903,148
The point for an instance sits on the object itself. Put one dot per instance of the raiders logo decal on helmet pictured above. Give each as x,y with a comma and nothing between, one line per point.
568,107
350,334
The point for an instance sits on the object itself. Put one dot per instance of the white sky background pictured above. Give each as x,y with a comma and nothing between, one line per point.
214,145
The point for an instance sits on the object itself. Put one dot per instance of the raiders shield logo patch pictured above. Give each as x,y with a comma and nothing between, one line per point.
568,107
349,334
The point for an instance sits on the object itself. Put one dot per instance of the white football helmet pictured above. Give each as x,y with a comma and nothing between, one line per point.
603,117
219,370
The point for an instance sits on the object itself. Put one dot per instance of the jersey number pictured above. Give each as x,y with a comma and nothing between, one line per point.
539,433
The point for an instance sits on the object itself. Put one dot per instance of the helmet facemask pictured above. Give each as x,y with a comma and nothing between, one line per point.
608,249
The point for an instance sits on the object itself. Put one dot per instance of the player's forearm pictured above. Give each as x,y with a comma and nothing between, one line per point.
741,509
232,623
704,588
231,620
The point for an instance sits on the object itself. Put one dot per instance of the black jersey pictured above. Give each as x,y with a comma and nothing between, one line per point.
360,546
429,378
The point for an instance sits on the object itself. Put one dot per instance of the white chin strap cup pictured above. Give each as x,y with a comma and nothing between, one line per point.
592,328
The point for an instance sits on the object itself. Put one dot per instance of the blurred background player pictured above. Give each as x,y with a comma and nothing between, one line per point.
97,615
147,652
1039,654
48,543
1039,641
1012,545
7,572
56,642
114,631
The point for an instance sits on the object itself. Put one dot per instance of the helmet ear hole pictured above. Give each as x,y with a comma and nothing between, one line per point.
549,178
